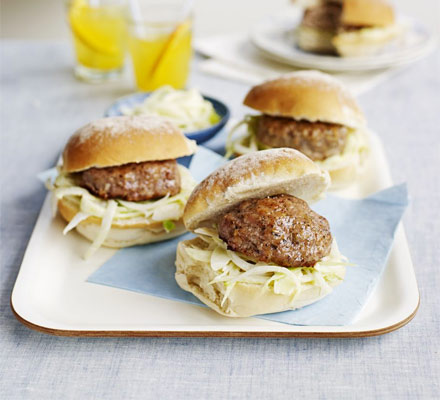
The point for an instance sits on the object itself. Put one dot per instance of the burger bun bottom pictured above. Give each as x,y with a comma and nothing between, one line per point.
124,234
346,44
126,237
364,42
245,300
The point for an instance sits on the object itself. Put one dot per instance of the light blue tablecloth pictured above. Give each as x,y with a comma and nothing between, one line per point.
41,106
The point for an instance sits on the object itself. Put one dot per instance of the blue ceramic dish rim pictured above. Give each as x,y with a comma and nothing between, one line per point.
211,130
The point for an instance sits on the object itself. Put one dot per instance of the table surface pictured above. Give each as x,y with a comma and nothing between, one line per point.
42,104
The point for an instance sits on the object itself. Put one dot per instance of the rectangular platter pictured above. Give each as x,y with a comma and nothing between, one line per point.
51,294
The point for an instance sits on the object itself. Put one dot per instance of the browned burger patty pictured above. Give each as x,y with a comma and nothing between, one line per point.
325,16
281,229
317,140
133,182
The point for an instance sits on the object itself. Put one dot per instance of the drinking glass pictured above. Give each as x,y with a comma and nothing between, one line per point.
159,43
99,36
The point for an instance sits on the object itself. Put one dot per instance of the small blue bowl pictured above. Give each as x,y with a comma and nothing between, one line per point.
200,136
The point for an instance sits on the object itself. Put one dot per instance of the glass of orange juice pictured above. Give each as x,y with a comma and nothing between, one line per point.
99,37
159,41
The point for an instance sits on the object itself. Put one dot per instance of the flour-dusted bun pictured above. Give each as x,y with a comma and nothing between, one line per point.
342,176
114,141
245,299
123,233
256,175
367,13
307,95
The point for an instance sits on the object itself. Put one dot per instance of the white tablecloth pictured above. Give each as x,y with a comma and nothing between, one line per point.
42,105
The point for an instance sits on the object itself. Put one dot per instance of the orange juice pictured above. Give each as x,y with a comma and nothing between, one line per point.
162,58
99,33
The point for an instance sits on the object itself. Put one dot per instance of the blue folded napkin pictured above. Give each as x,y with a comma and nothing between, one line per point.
364,230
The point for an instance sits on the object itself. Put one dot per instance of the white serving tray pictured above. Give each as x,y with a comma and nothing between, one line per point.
51,294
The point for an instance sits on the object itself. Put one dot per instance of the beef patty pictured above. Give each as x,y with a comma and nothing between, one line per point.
325,16
281,229
317,140
133,182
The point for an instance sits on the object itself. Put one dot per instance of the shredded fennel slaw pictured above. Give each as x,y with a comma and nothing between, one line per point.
231,268
185,108
245,141
165,210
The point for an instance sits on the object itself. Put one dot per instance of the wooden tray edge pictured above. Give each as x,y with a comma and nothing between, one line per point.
206,334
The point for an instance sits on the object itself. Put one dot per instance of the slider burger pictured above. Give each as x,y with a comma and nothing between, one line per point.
347,27
308,111
259,247
119,183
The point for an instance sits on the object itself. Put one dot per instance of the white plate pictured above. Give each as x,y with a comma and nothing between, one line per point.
275,38
51,293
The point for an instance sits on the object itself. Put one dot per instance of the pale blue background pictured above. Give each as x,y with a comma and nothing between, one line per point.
42,105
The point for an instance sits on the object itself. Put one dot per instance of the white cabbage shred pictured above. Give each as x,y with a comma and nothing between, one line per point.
244,141
165,210
231,268
185,108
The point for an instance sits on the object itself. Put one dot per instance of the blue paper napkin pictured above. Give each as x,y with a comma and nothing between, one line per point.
364,230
